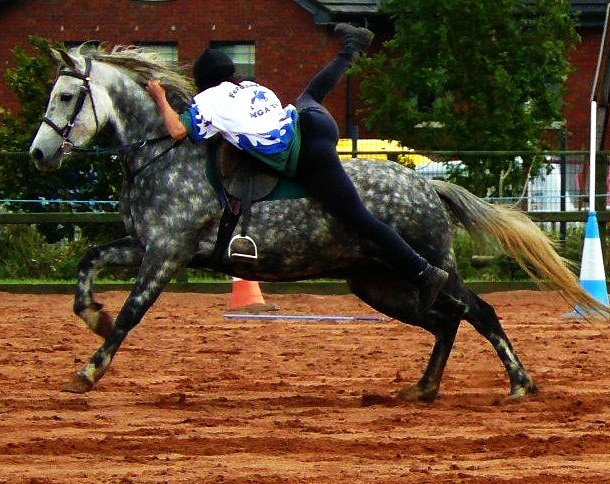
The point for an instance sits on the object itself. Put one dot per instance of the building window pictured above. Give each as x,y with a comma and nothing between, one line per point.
167,51
242,54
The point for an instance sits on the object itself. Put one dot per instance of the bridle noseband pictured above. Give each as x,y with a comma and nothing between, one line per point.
84,91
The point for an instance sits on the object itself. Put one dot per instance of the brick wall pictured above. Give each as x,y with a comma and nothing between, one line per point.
580,83
289,46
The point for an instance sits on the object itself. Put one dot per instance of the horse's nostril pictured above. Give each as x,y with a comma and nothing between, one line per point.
37,154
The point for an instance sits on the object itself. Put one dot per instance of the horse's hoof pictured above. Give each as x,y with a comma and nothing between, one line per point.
523,391
416,393
77,384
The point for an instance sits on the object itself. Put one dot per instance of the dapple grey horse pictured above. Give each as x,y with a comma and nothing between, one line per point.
172,216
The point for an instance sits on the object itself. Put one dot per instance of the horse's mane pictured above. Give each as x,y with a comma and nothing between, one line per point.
144,64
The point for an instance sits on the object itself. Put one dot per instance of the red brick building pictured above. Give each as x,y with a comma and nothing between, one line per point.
287,41
279,42
584,61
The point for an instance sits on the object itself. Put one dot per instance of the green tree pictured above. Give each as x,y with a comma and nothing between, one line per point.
471,75
80,178
31,81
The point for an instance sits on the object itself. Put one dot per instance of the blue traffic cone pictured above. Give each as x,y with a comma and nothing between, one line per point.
592,275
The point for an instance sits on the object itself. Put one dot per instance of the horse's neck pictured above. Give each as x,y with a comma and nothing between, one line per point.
135,118
135,114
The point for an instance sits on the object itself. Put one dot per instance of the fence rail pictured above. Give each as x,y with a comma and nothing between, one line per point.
315,287
27,218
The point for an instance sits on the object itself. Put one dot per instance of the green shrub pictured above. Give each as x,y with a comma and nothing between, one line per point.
27,255
500,266
497,266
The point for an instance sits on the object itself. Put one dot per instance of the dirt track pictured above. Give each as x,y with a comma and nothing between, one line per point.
196,397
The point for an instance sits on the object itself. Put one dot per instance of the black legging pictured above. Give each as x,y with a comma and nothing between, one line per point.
322,173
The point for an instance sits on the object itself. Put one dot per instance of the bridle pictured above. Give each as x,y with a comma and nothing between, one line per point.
68,145
83,92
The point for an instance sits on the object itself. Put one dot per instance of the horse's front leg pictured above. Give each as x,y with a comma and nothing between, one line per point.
156,271
126,252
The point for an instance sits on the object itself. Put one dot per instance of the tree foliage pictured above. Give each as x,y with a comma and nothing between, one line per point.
471,75
31,81
81,178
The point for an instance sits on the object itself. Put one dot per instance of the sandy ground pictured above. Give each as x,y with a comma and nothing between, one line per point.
196,397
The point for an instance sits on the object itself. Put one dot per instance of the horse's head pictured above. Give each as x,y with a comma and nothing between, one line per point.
74,114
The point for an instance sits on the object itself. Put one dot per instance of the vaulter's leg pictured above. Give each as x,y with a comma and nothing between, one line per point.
320,170
125,252
355,41
156,271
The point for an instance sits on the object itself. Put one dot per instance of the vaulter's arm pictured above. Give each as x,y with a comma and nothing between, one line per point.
174,125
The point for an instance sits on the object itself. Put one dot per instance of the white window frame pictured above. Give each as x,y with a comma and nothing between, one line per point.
167,51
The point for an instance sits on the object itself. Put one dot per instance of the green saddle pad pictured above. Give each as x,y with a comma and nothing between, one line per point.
286,188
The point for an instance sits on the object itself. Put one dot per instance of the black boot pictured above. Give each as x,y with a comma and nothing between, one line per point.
429,283
355,39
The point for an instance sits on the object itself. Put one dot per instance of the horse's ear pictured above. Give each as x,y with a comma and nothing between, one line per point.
63,58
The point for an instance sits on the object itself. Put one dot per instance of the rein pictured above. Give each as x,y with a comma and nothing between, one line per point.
132,175
96,150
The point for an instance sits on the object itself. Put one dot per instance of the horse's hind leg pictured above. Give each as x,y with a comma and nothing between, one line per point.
485,320
397,298
123,252
427,387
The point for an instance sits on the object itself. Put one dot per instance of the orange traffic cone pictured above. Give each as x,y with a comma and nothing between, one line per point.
246,296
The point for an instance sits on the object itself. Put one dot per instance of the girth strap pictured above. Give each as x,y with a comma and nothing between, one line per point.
246,198
228,222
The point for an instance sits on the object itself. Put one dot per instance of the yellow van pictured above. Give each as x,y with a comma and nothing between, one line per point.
382,150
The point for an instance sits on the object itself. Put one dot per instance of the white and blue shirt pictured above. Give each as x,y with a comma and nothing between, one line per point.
249,116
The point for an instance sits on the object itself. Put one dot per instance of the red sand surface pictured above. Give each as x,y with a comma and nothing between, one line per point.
195,397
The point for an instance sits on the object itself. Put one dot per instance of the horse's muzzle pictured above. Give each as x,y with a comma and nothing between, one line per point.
45,163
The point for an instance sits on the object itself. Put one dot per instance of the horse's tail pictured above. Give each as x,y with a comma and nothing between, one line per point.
521,239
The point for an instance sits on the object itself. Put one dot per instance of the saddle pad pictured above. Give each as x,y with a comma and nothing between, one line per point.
269,185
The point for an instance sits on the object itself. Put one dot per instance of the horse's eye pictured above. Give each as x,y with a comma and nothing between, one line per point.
65,97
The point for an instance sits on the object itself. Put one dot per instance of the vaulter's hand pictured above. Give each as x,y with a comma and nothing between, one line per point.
155,89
